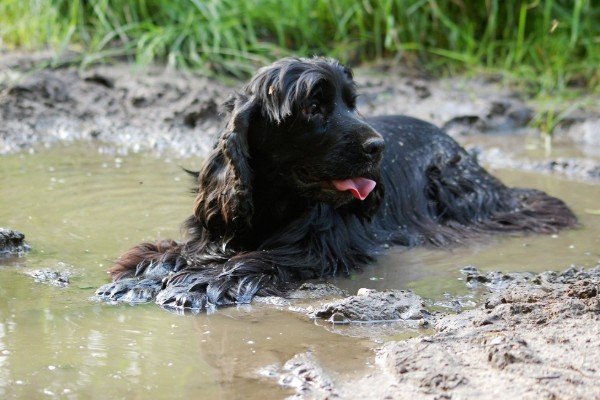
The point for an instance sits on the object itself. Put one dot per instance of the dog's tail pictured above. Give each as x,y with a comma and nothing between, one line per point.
486,206
538,213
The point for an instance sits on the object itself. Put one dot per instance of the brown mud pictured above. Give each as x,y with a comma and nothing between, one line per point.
130,109
531,336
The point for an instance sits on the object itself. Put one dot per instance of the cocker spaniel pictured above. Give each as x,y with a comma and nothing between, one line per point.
300,186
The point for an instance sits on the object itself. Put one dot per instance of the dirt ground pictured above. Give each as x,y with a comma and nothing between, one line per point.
533,337
128,109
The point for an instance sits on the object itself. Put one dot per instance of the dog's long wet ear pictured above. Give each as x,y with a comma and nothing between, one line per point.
224,201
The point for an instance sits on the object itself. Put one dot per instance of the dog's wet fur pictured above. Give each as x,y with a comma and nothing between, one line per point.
286,195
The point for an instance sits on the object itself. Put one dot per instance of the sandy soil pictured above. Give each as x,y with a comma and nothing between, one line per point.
534,336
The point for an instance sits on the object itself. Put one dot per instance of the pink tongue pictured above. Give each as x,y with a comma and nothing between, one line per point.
360,187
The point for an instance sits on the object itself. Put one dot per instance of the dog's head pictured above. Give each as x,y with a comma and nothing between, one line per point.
294,125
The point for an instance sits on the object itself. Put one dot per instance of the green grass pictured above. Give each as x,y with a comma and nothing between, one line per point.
553,44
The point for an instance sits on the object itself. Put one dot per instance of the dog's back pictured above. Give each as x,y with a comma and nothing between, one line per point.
436,193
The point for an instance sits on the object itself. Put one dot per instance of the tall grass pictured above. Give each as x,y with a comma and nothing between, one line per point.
554,43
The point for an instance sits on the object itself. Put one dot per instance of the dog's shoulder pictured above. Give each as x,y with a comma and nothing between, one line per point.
412,132
399,121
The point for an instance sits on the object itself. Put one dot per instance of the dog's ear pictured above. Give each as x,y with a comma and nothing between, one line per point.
224,201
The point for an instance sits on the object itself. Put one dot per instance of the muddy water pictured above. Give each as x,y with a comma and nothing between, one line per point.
79,208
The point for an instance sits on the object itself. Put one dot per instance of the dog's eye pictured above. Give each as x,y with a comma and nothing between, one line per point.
313,108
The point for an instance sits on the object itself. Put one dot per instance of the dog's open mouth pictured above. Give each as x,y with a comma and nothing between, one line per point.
359,187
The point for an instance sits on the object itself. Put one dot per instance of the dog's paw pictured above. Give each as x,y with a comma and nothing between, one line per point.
129,290
184,297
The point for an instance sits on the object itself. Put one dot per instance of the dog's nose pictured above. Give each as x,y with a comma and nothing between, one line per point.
374,146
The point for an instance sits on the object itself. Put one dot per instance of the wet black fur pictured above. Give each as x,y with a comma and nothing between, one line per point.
266,215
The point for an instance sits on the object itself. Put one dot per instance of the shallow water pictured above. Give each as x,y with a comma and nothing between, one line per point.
80,208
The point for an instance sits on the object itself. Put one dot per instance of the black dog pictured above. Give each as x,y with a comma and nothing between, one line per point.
300,186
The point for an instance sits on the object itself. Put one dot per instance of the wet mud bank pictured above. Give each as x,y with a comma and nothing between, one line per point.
129,109
533,336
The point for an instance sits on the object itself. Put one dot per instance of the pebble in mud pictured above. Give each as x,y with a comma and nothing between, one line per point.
55,278
374,306
304,373
493,280
12,243
504,350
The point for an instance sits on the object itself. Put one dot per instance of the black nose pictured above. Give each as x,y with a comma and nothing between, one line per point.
374,146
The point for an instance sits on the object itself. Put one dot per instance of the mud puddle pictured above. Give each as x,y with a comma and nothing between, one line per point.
80,176
80,207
